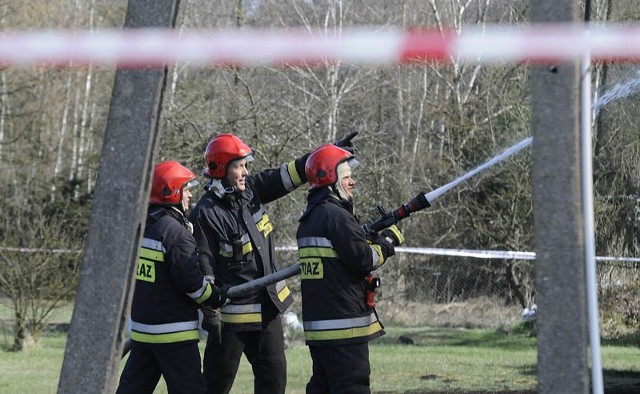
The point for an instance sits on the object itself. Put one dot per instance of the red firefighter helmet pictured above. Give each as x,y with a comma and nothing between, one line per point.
169,177
322,165
223,149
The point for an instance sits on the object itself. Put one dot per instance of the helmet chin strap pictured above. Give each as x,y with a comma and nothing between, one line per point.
219,188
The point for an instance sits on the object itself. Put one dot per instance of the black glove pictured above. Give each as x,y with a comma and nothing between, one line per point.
387,247
369,234
393,235
218,296
212,323
346,143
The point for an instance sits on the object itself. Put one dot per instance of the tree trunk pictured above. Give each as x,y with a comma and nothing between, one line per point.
21,332
4,108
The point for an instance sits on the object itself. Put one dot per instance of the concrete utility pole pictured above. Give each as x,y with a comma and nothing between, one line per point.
94,345
558,217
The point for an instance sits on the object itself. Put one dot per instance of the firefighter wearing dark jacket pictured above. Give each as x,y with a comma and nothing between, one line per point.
336,257
235,238
169,290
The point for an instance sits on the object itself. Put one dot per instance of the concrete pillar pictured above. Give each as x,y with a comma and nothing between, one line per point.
94,344
558,216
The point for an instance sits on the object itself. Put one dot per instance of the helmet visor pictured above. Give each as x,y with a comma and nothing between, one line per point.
191,183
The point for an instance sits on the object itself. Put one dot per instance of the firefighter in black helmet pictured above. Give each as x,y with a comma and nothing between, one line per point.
169,290
336,259
235,239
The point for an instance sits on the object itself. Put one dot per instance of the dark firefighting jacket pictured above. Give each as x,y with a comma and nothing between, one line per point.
235,239
335,258
169,284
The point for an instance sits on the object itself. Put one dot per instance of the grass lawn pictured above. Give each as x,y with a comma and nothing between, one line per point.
440,360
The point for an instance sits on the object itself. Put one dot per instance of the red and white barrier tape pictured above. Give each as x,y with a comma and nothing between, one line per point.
480,254
158,47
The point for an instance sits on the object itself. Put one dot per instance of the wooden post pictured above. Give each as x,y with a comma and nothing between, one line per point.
94,345
558,216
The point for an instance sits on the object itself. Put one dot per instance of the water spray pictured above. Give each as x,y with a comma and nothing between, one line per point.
418,203
619,91
433,195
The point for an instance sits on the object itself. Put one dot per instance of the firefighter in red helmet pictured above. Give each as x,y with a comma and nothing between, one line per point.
336,260
235,239
169,290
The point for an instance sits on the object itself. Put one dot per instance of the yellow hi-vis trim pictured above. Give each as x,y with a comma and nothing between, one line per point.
246,248
377,255
146,271
205,295
344,333
396,231
284,293
165,338
316,252
150,254
293,173
241,318
311,268
264,225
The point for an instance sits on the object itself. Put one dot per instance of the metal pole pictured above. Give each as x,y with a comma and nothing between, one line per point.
597,385
590,249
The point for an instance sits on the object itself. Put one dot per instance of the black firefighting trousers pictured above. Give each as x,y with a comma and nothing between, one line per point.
179,364
264,350
340,369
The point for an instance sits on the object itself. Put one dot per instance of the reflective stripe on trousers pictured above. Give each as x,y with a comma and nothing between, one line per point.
325,330
250,313
164,333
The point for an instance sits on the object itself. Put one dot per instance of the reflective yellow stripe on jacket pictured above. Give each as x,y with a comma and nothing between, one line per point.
151,252
283,290
226,250
164,333
326,330
238,314
311,251
261,219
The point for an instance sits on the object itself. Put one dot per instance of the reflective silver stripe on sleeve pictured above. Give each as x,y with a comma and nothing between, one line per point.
249,308
196,294
314,241
153,245
164,328
376,257
337,324
286,178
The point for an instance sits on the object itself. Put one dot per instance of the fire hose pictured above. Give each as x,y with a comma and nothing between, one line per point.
418,203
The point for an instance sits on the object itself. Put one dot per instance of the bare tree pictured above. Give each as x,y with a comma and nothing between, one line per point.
38,271
51,123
